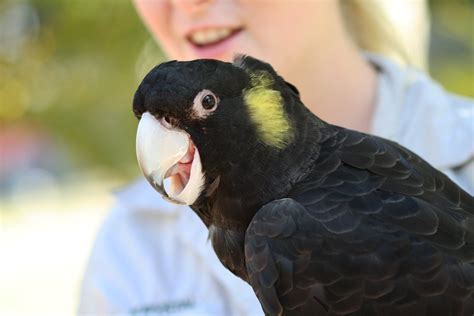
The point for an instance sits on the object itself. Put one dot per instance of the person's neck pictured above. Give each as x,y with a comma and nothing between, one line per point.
341,87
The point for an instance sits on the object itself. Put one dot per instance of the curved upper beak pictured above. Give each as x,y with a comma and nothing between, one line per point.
158,150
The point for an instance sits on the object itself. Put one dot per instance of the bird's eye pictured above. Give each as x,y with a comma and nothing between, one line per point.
204,104
209,101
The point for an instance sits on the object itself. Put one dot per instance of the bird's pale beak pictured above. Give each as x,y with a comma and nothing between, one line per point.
160,152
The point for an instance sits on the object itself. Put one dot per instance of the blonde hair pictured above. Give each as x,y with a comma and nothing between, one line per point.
397,29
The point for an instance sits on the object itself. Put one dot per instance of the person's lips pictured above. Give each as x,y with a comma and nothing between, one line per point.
213,42
211,35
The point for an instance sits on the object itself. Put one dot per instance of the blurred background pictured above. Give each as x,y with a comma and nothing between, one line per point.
68,71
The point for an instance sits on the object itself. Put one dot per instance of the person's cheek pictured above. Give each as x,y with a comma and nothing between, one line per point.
153,13
156,15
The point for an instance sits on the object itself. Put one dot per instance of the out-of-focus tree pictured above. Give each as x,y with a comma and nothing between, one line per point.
452,45
71,67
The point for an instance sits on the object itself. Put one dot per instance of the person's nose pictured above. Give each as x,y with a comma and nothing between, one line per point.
192,6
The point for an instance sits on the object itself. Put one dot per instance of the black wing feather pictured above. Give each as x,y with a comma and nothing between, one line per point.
372,230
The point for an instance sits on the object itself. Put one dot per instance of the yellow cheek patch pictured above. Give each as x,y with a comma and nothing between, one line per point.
266,111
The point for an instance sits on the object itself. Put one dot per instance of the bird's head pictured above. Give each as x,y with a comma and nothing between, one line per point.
204,120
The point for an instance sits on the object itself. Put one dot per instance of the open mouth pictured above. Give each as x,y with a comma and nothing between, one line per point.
169,153
206,38
180,173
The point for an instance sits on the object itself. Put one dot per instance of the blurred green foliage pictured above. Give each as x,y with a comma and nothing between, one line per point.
76,75
452,45
81,60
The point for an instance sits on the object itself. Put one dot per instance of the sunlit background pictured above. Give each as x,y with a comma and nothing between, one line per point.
68,71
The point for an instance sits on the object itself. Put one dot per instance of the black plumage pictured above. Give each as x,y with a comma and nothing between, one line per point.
335,223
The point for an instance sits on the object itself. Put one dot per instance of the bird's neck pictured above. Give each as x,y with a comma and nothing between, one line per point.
265,176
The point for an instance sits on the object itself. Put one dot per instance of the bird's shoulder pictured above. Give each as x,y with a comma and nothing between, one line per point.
354,164
360,180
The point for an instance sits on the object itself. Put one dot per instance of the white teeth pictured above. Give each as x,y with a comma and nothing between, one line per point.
204,37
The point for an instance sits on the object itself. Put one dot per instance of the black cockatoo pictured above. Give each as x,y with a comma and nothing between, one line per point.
318,219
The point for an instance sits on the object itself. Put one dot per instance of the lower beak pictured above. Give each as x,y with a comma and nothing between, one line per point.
158,150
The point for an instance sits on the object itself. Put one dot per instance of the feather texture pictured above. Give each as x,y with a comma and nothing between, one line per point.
378,234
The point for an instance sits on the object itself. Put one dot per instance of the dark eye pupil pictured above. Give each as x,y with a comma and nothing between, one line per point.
208,102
